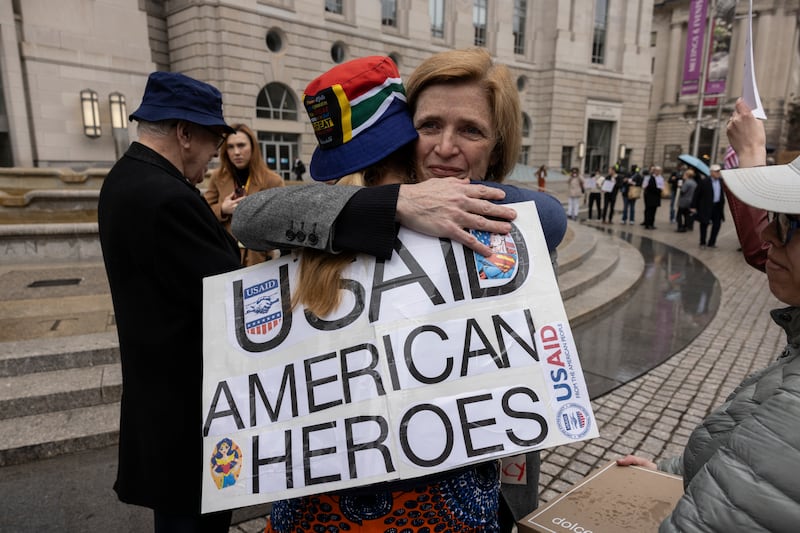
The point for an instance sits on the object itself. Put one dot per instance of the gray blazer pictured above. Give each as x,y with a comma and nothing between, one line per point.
253,221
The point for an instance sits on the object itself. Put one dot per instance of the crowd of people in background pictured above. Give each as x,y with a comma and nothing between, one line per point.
691,194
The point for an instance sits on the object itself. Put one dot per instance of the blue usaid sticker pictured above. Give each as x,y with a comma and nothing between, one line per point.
573,421
262,310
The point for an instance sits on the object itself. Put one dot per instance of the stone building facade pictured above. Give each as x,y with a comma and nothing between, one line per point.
672,124
584,74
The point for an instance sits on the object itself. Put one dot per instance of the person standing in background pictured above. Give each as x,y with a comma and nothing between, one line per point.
684,216
632,190
242,171
674,183
611,187
160,239
709,205
576,191
298,168
652,184
541,178
595,188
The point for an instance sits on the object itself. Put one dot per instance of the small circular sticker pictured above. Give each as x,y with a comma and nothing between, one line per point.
573,421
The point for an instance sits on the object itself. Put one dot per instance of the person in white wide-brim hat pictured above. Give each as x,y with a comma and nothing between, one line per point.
741,464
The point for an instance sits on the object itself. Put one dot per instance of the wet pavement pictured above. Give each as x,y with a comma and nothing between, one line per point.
675,300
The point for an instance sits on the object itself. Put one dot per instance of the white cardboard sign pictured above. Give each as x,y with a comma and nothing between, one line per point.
436,359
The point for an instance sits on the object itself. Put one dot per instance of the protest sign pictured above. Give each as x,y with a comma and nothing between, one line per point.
436,359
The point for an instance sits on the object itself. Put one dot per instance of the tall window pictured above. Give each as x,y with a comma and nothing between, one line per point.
276,101
520,11
436,12
525,150
334,6
599,39
389,13
479,21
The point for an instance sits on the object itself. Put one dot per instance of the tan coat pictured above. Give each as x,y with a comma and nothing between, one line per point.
221,185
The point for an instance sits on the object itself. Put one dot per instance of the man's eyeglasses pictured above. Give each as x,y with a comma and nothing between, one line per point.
785,226
217,135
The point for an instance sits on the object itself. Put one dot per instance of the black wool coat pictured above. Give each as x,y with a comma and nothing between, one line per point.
159,239
703,200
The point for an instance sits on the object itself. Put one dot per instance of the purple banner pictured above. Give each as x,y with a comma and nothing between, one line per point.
692,63
719,48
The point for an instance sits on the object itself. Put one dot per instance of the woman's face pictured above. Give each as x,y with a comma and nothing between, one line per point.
239,149
456,132
783,265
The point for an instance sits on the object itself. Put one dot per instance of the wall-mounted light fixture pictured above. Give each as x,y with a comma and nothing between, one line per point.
90,109
119,122
623,151
581,150
119,111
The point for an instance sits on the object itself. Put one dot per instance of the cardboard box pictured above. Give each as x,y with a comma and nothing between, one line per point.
611,499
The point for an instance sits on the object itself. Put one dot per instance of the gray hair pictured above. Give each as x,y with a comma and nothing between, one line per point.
162,128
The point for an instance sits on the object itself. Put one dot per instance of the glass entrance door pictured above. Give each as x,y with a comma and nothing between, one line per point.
280,150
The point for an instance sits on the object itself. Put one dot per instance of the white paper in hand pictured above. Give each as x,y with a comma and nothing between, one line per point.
749,88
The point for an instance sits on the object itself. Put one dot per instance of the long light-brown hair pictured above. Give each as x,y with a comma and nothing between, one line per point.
319,279
259,171
476,65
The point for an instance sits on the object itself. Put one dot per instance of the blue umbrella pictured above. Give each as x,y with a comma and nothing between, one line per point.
695,163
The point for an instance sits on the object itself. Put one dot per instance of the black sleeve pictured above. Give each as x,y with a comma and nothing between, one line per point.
366,224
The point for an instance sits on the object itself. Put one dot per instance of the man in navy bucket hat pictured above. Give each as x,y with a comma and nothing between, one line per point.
160,239
171,95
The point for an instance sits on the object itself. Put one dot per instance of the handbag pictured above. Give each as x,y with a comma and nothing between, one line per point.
634,192
666,191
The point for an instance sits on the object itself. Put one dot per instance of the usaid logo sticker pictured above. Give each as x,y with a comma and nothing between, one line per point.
573,421
262,310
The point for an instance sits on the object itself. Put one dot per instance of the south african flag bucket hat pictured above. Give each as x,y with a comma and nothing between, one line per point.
359,114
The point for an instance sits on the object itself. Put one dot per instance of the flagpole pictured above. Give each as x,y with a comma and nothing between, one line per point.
701,90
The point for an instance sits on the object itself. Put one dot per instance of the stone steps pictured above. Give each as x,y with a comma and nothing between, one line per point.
61,395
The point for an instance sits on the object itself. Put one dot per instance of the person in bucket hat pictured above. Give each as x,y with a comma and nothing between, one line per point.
364,133
309,216
741,463
467,112
160,239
